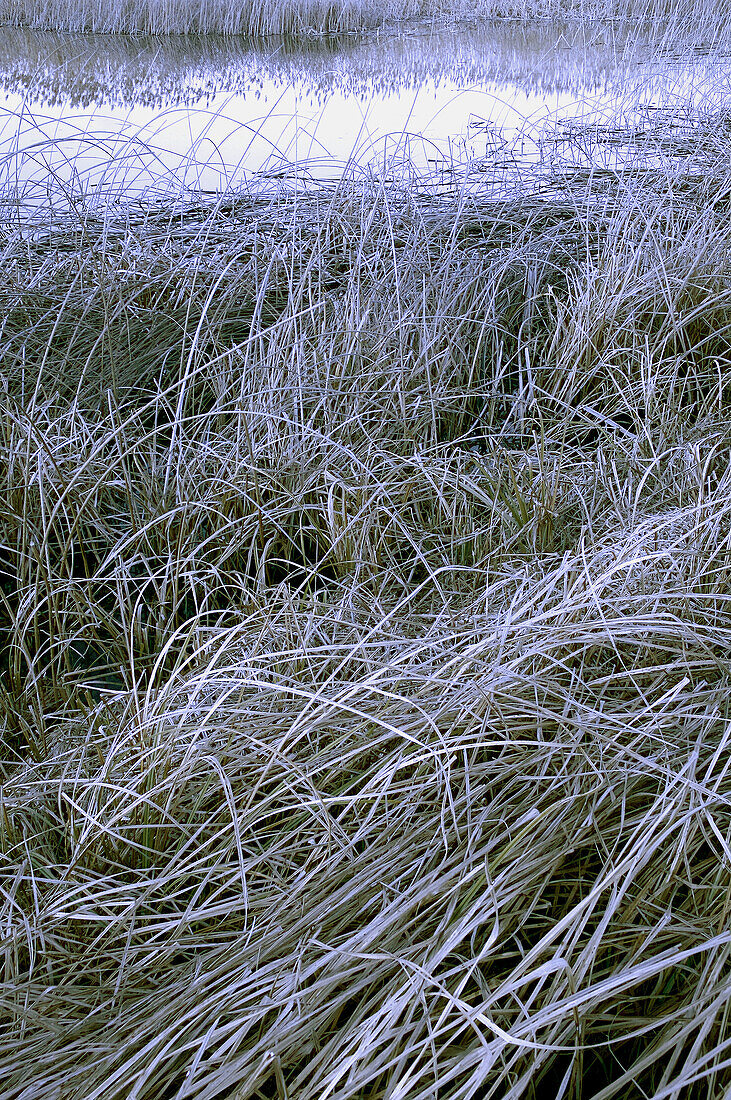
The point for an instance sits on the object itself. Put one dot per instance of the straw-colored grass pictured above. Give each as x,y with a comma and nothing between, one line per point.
366,578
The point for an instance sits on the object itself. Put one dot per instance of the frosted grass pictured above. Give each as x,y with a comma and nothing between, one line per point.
365,624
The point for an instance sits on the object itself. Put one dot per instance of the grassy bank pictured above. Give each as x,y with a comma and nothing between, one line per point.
366,565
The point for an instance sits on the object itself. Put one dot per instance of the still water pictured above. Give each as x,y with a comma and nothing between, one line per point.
89,119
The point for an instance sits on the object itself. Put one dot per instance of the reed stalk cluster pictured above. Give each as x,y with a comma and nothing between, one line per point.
708,20
365,624
223,17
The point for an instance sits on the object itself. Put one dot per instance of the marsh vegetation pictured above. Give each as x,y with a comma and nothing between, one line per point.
365,613
316,17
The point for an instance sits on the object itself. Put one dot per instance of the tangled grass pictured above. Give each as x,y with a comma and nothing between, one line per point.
365,619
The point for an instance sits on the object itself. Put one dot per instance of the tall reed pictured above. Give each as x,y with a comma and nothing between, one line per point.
227,17
709,19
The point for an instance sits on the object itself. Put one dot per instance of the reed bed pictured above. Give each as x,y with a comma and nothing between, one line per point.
226,17
707,22
365,623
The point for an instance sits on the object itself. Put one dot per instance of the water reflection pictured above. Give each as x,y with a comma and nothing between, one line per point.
80,70
89,118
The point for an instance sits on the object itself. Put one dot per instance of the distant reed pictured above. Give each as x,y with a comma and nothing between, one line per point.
225,17
708,20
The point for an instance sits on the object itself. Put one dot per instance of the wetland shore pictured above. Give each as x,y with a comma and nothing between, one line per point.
365,618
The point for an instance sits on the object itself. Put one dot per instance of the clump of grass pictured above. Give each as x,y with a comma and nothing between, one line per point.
365,619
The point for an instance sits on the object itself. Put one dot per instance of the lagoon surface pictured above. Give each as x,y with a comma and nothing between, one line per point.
89,118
